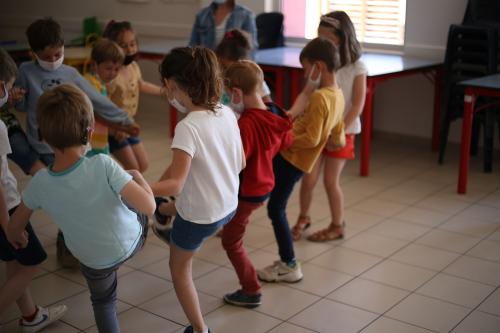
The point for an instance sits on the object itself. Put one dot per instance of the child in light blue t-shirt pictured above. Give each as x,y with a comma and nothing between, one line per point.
83,196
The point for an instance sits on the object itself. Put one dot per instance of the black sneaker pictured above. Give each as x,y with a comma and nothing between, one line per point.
163,234
239,298
190,329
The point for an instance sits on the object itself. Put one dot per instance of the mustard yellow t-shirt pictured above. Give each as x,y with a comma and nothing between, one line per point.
99,141
322,117
124,91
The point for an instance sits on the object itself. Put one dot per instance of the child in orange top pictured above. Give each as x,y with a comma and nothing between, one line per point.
124,92
311,130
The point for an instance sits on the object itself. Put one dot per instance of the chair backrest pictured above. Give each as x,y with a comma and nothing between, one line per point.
482,12
270,30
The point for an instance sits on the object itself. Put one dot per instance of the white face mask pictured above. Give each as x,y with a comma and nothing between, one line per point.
237,107
50,66
310,81
5,98
175,103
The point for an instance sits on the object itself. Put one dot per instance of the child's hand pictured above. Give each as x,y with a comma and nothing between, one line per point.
133,129
19,241
120,136
16,94
135,174
334,145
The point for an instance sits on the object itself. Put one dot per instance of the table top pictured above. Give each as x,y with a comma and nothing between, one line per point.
159,46
489,82
377,63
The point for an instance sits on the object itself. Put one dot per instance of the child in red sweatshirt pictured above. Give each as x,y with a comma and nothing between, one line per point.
265,129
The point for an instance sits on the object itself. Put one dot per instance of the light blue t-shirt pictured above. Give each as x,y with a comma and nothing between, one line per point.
84,201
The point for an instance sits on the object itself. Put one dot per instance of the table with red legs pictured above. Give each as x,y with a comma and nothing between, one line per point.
381,67
486,86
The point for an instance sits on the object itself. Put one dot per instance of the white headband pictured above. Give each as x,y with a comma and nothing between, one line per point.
331,21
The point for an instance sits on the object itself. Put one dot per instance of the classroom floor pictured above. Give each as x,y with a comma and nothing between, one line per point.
417,257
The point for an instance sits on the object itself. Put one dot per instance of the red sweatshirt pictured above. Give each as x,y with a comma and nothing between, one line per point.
263,133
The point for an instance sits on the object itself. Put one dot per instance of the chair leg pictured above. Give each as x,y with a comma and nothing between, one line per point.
443,137
474,141
489,135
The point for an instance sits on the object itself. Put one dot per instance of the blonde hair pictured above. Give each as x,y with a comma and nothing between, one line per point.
245,75
64,116
107,50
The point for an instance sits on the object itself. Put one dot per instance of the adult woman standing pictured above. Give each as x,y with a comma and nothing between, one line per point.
220,16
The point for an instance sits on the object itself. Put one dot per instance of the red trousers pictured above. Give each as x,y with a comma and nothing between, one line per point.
232,241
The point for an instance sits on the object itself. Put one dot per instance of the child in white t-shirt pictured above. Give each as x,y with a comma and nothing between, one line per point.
207,158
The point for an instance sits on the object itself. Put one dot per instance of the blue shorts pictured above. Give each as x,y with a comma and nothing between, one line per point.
189,236
23,154
114,145
33,254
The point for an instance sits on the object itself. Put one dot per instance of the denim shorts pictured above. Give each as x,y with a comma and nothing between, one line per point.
189,236
23,154
114,145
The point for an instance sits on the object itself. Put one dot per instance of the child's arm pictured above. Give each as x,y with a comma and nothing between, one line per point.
358,99
16,235
102,105
132,129
138,194
4,214
177,172
300,103
149,88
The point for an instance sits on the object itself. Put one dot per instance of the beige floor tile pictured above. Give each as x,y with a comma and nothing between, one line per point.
361,220
495,236
422,216
305,250
57,327
479,322
328,316
374,244
443,203
486,249
387,325
456,290
428,312
161,268
492,303
380,207
149,254
479,270
346,260
368,295
137,287
212,251
80,313
482,213
493,199
399,275
236,319
425,257
167,306
258,237
51,264
273,295
51,288
218,282
289,328
449,241
136,320
320,281
470,227
399,230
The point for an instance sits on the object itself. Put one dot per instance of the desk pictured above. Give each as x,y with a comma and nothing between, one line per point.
381,67
487,86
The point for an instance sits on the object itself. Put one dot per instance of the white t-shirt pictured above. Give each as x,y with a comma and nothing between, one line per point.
345,78
214,144
7,179
220,30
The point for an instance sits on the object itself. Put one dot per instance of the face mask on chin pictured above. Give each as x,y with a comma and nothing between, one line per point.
129,58
237,107
177,105
49,65
5,97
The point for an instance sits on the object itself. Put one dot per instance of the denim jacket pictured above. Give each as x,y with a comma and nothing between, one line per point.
203,33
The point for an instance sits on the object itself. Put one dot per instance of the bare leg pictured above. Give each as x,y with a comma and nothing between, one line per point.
181,269
127,158
141,156
333,169
309,180
16,288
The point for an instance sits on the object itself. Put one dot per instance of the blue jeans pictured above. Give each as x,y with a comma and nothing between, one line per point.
102,284
286,176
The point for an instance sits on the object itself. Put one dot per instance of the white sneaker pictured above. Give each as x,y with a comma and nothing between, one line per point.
44,317
279,271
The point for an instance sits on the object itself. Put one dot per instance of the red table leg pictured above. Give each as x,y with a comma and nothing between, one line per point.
173,120
295,85
366,132
436,121
469,101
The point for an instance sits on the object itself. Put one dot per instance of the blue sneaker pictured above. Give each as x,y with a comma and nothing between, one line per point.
239,298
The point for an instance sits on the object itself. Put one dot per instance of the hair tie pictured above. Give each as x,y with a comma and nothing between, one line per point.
229,35
331,21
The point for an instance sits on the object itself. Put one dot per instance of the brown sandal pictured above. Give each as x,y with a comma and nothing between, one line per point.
332,232
303,222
